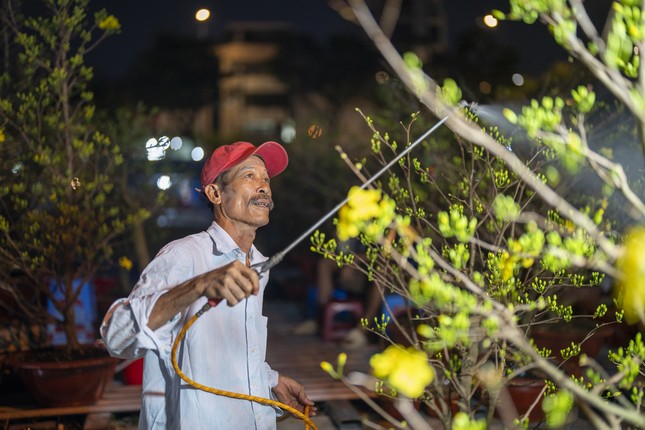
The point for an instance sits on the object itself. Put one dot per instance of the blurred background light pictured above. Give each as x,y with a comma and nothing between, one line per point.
485,87
490,21
197,153
202,15
517,79
288,132
164,182
175,143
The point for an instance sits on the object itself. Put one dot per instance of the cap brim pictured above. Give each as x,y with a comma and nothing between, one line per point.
274,156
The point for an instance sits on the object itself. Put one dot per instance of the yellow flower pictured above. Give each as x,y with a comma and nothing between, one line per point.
507,263
630,287
363,198
110,22
365,211
125,262
2,136
406,370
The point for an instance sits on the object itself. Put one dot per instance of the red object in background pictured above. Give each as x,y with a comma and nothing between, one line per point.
339,317
133,373
524,392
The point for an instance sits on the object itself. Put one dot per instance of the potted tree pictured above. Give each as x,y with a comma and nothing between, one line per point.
61,207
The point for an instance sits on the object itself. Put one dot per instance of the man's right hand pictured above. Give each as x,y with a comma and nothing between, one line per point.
233,282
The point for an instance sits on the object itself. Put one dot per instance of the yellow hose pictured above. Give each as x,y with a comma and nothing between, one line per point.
262,400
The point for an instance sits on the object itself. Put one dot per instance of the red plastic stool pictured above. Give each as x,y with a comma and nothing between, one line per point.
339,317
133,372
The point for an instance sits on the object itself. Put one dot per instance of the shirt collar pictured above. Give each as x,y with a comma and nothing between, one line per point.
223,243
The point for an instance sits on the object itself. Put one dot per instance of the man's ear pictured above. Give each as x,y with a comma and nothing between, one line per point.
213,194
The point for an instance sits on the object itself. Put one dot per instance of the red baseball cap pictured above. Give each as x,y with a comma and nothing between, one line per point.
224,157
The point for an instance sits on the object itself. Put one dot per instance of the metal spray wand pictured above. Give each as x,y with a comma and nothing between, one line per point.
277,258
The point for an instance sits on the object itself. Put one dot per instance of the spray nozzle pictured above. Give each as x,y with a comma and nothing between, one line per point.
268,264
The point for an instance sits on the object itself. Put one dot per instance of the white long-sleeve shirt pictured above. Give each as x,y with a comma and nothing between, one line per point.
224,349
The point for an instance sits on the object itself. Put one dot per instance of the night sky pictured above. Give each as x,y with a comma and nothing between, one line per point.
142,20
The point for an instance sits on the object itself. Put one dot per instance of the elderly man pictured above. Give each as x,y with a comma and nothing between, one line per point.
226,347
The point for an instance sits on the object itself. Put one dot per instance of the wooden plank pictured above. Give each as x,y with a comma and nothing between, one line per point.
99,421
117,398
344,415
299,357
41,425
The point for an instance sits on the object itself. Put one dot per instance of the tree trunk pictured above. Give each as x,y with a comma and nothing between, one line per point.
69,326
141,246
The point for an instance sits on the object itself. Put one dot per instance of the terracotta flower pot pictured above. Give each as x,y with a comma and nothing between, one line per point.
73,382
558,338
524,392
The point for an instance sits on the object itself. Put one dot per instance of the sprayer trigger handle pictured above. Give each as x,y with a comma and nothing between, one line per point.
260,268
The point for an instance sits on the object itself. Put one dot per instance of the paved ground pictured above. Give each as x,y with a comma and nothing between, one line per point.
322,422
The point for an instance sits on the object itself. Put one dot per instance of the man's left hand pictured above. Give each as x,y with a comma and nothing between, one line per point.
293,394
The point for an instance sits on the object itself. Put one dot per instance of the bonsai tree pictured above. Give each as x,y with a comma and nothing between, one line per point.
61,208
489,250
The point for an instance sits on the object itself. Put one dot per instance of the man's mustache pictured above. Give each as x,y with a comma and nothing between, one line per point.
263,199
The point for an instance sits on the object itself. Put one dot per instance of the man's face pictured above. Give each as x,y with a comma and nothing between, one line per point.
246,194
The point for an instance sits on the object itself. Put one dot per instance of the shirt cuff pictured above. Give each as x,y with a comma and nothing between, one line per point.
272,377
125,328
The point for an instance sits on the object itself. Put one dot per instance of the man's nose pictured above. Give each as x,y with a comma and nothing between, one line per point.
264,188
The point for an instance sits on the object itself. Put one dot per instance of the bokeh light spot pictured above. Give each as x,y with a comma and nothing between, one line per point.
485,87
156,149
517,79
490,21
202,15
314,131
175,143
382,77
288,132
164,182
75,184
197,153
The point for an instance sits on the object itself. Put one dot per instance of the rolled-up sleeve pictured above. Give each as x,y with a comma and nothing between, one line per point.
125,328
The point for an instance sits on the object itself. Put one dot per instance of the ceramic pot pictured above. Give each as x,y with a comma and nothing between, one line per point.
75,382
523,392
560,338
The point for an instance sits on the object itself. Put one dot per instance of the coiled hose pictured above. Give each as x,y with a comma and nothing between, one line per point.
175,346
